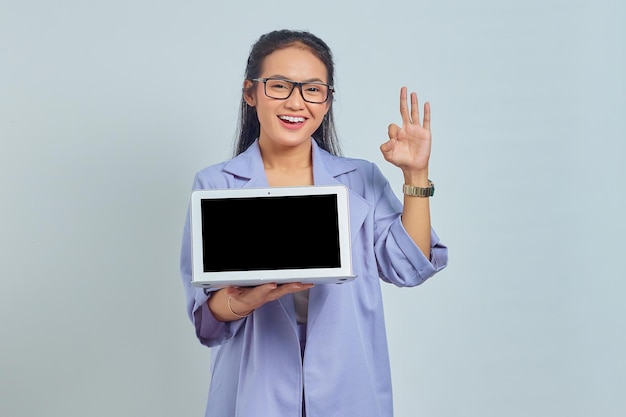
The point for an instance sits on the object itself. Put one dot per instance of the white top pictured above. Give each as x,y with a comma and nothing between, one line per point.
301,303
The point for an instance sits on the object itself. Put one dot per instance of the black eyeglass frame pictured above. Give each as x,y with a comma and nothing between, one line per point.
295,84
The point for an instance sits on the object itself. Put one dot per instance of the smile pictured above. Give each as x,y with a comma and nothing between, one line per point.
292,119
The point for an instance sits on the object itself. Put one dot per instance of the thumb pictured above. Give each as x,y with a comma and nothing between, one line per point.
387,146
392,131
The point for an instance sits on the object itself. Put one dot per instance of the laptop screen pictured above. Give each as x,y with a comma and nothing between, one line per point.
261,233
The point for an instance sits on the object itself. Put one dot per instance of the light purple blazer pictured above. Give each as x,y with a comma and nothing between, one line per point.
257,368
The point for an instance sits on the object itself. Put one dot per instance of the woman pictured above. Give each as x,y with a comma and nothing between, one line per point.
295,349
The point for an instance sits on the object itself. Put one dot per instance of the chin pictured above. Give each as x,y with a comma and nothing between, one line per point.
298,142
290,142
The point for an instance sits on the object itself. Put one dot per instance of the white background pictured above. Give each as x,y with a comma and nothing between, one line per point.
107,109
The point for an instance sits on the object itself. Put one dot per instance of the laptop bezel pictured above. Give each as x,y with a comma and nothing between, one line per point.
219,279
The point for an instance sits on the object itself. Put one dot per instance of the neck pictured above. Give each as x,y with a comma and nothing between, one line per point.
288,166
286,158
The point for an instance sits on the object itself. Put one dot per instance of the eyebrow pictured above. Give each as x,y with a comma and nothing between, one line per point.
310,80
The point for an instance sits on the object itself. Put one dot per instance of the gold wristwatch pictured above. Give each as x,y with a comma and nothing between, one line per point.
413,191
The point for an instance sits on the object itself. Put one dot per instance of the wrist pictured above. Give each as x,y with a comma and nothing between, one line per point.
239,315
414,191
223,308
416,178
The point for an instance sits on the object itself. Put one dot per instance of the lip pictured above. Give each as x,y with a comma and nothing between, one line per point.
290,125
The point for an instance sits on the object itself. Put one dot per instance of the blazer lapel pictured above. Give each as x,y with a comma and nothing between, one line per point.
247,168
327,169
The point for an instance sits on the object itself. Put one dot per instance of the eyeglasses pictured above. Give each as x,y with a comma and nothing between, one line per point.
281,89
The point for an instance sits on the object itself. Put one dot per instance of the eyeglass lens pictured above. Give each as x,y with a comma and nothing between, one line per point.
281,89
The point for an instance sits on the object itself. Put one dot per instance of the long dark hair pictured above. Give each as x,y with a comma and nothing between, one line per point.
248,124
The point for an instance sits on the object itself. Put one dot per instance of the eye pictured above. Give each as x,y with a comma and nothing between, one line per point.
278,85
315,90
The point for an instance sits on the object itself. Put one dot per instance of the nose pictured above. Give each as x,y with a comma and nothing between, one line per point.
295,100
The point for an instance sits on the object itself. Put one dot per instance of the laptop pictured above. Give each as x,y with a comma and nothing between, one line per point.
255,236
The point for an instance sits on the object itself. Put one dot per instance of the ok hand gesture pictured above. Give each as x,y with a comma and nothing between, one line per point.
408,146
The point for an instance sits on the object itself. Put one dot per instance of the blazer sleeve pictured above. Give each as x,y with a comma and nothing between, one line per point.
209,330
399,259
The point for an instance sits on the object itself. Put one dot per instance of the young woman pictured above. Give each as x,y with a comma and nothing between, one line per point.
303,350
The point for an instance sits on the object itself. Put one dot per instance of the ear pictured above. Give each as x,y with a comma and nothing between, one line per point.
248,93
328,104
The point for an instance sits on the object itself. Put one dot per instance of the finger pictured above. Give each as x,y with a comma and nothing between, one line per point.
263,291
294,287
303,287
392,131
386,147
234,291
415,109
427,116
287,289
404,107
251,294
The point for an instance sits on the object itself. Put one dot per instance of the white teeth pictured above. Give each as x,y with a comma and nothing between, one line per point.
292,119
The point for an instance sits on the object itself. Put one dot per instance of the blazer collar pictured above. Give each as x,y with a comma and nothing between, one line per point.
249,165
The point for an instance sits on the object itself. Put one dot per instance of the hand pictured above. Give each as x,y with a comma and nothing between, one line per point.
408,146
244,300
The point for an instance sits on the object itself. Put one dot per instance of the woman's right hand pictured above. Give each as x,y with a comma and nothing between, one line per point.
234,303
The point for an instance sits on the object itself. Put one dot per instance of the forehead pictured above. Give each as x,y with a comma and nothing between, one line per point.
296,62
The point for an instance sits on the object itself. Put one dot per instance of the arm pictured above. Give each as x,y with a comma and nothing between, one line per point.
409,149
400,260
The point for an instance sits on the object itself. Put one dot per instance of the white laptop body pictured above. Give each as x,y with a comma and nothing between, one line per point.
254,236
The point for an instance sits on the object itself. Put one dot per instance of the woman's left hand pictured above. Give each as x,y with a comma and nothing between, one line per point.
408,146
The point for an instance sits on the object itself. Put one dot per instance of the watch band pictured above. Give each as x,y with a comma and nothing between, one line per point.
413,191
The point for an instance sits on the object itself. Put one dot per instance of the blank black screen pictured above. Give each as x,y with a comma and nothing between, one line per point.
292,232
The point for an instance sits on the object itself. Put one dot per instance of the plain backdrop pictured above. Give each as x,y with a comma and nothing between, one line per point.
107,110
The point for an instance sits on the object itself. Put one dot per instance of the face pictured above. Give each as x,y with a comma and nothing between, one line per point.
291,122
